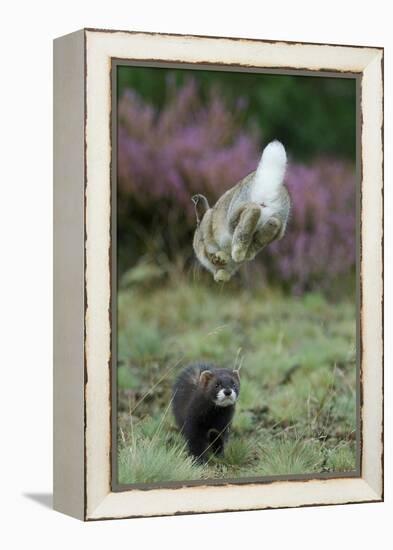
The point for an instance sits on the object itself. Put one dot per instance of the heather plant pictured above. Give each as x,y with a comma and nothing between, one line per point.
319,246
312,115
165,156
201,144
189,146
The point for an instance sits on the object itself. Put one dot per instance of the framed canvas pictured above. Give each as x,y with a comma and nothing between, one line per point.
218,274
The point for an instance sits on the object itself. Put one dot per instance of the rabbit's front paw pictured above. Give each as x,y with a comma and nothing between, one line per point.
220,258
221,276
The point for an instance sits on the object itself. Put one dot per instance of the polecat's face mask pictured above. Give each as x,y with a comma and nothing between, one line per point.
226,397
223,388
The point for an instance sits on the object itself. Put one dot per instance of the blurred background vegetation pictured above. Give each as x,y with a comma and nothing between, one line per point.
311,115
289,316
183,132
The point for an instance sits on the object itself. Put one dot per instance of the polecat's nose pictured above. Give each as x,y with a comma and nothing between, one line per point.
227,392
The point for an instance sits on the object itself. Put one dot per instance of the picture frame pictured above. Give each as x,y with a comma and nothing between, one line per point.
84,273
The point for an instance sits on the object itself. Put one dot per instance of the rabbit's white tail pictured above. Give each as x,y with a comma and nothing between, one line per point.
270,173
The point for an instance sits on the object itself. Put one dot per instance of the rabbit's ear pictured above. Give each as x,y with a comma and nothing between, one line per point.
201,206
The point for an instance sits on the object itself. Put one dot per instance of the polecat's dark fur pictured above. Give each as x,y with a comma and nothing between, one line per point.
204,400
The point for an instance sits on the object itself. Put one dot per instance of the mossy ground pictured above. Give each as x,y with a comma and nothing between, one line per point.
297,408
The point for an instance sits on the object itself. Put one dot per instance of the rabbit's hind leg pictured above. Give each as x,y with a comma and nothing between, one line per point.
244,231
263,236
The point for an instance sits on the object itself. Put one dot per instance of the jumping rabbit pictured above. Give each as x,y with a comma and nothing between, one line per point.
245,219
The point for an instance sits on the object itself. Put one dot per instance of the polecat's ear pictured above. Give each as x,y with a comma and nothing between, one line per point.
236,375
201,206
205,376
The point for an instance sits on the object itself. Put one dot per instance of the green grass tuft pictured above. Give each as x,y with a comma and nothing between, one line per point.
151,460
341,459
239,452
284,455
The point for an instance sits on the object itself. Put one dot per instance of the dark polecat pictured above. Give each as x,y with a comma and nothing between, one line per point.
204,399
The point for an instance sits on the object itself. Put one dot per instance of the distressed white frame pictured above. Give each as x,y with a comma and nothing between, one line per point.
98,499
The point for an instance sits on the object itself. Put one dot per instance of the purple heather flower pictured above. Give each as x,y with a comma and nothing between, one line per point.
190,146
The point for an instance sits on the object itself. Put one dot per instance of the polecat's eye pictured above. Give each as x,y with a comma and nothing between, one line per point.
217,385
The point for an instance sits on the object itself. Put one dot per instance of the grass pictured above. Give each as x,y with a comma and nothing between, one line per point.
147,459
296,413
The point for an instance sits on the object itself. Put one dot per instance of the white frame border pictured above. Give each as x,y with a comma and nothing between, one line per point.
100,48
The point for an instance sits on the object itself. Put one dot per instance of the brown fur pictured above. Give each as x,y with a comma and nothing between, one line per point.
231,232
